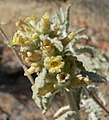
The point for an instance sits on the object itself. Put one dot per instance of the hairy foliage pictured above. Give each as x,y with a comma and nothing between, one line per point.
61,63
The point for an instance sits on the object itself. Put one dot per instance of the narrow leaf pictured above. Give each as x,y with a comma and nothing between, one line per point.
94,77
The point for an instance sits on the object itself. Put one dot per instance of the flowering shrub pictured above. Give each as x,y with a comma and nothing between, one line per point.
60,64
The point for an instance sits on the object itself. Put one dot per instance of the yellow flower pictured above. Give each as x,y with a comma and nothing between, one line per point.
71,35
63,77
31,18
47,45
18,40
35,67
33,56
54,64
20,23
45,23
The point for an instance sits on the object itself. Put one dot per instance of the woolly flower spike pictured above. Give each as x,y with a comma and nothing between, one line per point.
54,64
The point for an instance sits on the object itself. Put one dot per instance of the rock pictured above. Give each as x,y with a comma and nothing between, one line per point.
10,69
13,109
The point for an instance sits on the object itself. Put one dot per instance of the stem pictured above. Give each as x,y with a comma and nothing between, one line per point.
72,103
67,16
17,56
96,100
23,66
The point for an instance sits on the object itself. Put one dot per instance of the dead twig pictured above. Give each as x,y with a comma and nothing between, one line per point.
17,55
96,100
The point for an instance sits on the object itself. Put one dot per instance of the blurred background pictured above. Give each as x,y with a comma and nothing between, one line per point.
15,89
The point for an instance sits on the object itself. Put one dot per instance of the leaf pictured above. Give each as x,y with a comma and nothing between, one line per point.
94,77
67,17
79,65
58,44
61,110
87,49
89,105
66,116
80,30
92,60
39,83
98,61
70,65
46,101
92,108
46,89
62,19
43,100
78,38
87,62
77,94
97,91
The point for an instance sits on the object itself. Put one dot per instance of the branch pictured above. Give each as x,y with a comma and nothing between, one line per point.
72,104
17,56
96,100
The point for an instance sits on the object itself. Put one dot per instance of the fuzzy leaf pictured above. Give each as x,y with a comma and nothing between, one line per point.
92,108
97,61
62,19
46,101
61,110
93,60
39,83
70,65
66,116
87,62
97,91
78,38
57,43
67,17
79,65
94,77
46,89
79,31
87,49
43,102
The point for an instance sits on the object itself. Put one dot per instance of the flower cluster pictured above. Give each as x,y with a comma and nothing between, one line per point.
41,44
57,58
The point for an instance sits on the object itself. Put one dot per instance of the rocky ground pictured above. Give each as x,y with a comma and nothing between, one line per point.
15,89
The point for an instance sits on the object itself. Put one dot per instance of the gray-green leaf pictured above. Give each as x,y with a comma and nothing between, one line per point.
39,83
